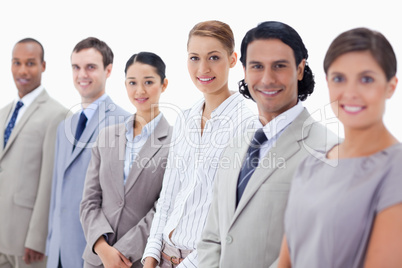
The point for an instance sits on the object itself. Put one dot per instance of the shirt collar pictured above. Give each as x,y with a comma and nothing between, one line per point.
30,97
279,123
146,130
91,109
221,110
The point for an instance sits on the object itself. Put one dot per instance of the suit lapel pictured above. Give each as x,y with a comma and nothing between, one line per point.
285,147
116,159
233,176
148,151
92,126
43,97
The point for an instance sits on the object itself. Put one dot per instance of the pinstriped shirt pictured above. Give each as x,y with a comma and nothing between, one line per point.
188,181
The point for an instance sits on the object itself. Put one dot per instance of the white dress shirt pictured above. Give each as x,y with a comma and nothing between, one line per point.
276,126
91,109
135,144
27,101
188,181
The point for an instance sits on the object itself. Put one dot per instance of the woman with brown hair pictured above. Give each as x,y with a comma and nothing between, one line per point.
199,137
345,206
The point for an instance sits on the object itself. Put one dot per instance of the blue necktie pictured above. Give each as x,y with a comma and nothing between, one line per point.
11,123
251,162
80,128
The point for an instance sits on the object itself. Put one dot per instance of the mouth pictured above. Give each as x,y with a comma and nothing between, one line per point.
352,109
270,93
206,80
84,83
23,81
141,100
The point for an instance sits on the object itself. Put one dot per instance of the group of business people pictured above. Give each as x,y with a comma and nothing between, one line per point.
223,187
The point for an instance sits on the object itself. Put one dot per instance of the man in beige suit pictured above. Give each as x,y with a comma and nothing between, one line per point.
245,222
26,160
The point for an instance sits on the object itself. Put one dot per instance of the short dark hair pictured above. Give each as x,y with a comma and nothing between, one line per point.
148,58
102,47
363,39
289,36
29,40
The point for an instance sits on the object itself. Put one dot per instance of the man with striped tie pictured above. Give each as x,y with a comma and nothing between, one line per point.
245,222
27,138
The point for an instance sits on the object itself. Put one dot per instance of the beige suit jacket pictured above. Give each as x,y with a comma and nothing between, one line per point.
251,234
26,169
123,212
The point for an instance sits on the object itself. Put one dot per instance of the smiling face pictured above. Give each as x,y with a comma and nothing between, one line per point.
209,64
144,87
89,74
358,89
27,67
272,75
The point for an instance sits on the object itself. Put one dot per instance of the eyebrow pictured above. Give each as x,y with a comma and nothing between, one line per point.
146,77
27,59
209,53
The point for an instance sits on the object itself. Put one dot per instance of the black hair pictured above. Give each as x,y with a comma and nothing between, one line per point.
150,59
289,36
28,40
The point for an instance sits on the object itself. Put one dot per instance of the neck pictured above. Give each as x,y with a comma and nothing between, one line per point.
142,118
365,142
212,101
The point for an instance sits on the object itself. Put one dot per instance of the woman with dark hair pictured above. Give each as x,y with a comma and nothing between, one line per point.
345,205
125,174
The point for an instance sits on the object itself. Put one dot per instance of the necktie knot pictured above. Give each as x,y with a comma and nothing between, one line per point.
259,138
19,105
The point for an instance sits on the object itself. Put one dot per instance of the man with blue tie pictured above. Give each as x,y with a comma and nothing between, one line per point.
91,62
27,138
245,222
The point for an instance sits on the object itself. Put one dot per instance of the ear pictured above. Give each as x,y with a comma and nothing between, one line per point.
109,69
393,82
43,66
165,84
233,59
300,69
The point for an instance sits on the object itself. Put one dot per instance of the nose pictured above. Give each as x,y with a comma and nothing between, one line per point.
140,89
22,70
268,77
204,66
350,90
82,72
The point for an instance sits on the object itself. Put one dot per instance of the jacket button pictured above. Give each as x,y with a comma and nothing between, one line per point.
229,239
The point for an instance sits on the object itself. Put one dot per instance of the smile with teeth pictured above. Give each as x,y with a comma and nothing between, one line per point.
22,80
352,109
141,100
84,83
270,93
205,79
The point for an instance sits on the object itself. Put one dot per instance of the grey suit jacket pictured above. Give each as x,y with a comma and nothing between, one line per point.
65,235
251,234
123,212
26,165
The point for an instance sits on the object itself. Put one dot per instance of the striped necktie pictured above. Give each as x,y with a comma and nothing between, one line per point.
251,162
11,123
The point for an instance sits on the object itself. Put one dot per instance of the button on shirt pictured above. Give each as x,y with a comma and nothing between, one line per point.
135,144
191,168
28,99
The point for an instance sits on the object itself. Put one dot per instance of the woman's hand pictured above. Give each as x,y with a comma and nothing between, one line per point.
110,257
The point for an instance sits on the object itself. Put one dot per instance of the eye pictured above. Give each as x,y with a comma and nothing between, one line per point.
194,58
367,79
75,67
16,63
148,83
91,67
279,66
132,83
31,63
214,58
338,79
256,66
